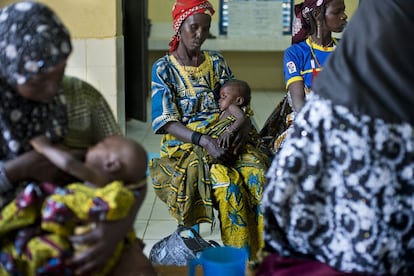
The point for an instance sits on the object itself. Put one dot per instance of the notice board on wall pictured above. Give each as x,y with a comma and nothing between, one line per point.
259,18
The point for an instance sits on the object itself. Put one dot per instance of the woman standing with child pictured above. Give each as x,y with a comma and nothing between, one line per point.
185,108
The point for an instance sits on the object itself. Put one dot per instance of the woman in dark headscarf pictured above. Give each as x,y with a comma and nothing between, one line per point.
340,191
34,47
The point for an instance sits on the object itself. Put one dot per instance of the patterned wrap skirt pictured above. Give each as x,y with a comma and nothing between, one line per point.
35,227
191,184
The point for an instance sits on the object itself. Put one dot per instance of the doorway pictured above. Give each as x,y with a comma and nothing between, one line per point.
136,31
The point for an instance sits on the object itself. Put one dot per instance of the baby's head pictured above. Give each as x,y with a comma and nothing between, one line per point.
236,92
120,158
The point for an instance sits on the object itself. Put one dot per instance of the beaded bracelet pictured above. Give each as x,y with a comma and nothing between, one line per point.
5,184
195,138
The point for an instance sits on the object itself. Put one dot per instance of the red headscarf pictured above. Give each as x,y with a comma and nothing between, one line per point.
182,9
300,26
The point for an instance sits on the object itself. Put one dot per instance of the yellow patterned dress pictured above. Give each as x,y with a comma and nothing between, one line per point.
185,176
35,228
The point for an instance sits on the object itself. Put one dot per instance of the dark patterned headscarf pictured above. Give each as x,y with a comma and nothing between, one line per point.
183,9
301,22
371,72
32,39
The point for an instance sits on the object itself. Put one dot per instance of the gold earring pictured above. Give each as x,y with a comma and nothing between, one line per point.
318,30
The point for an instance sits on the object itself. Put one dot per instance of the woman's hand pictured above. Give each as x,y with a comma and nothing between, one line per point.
241,137
225,138
39,143
100,242
103,239
221,155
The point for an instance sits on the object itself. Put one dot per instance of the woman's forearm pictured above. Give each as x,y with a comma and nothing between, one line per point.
297,94
179,130
17,169
34,166
210,144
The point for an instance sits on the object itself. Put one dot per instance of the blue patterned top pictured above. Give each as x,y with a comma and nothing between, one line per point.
184,93
298,61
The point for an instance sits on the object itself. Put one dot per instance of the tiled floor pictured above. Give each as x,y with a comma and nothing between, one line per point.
153,221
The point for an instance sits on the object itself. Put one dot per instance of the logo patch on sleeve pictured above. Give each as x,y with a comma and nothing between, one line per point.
291,67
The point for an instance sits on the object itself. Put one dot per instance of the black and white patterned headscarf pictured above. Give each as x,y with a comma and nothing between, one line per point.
32,39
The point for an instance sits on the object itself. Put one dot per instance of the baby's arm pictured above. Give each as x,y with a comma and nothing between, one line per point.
225,137
61,158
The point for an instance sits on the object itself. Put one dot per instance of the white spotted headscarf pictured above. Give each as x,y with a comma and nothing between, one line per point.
32,39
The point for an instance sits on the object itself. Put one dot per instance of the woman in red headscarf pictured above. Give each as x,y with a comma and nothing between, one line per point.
312,43
185,108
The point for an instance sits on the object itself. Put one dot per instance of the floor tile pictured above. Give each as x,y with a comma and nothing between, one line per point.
158,229
160,211
144,212
150,197
140,227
